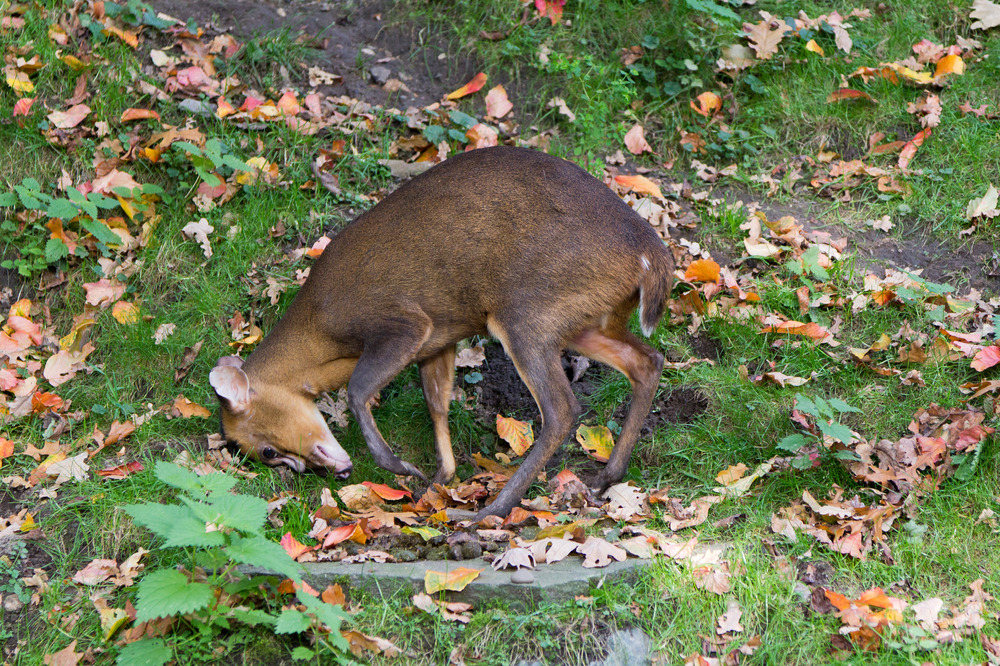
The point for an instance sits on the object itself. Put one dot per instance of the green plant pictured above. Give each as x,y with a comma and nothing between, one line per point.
826,414
213,163
217,530
10,570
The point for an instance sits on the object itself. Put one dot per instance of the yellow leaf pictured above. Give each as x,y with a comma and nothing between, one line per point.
707,104
811,45
455,580
112,619
950,64
29,523
73,62
516,433
126,313
596,441
731,474
19,81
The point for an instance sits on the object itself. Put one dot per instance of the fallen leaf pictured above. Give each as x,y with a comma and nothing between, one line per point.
125,313
764,40
129,115
455,580
497,104
294,547
386,492
516,433
729,622
121,471
64,657
474,85
552,9
360,643
639,184
199,231
599,553
731,474
986,13
96,572
70,118
597,441
707,104
702,270
987,357
635,140
910,149
849,93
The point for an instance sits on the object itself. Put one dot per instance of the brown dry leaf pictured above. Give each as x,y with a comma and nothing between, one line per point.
599,553
849,93
729,622
361,643
199,231
186,409
635,140
985,206
455,580
764,40
927,611
96,572
454,611
470,357
928,108
334,594
731,474
693,515
497,104
516,433
515,558
986,13
119,431
625,502
639,546
713,579
65,657
70,118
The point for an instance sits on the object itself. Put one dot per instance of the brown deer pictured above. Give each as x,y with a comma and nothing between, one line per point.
509,242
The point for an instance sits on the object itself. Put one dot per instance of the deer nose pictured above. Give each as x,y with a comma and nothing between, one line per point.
344,473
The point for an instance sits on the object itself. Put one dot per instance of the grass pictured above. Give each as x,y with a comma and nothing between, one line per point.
782,113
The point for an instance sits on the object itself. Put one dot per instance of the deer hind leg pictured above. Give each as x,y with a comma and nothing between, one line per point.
539,365
626,353
384,357
437,374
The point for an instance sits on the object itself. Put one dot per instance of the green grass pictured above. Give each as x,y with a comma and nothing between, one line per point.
782,112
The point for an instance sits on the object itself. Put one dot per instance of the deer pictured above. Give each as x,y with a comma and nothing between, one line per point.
506,242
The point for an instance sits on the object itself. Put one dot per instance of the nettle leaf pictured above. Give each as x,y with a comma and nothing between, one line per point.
64,209
712,9
462,119
189,147
178,526
842,406
291,621
254,617
838,431
100,231
101,201
793,443
145,652
176,476
302,653
329,614
240,512
8,199
216,482
259,551
435,134
805,405
168,592
55,250
235,163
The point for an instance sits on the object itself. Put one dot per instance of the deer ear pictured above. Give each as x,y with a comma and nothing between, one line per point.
231,384
234,361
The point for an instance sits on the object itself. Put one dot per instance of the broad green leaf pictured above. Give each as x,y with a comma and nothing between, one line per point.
55,250
330,615
145,652
168,592
64,209
240,512
259,551
291,621
189,147
216,482
254,617
8,199
842,406
713,9
302,654
176,476
235,163
176,524
838,431
463,119
101,201
435,134
792,443
100,231
805,405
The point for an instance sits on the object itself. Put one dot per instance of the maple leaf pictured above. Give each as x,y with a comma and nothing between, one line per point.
515,558
729,622
199,231
599,553
516,433
986,13
707,104
470,357
553,9
764,40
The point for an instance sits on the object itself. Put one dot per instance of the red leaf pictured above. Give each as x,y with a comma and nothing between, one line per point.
986,358
121,471
910,149
477,82
385,492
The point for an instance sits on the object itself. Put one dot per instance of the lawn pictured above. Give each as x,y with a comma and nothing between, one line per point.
823,174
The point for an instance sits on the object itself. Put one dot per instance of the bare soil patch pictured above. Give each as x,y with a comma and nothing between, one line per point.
348,38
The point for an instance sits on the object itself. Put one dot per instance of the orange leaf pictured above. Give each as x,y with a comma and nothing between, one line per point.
455,580
516,433
849,93
127,36
791,327
708,104
121,471
563,478
838,600
987,357
640,185
596,441
875,597
22,107
702,270
6,448
224,109
950,64
119,431
334,594
129,115
385,492
288,104
910,149
43,402
343,533
497,103
294,547
477,82
187,409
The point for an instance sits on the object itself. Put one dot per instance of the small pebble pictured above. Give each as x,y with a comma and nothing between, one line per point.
522,577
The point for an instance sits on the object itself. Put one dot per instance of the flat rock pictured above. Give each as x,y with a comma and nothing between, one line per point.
627,647
560,581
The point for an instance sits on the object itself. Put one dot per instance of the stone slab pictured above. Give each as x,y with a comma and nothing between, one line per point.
559,581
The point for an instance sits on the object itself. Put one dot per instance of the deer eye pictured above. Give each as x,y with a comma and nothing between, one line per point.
267,453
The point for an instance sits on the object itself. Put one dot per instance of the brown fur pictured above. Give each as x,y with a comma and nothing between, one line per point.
513,242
